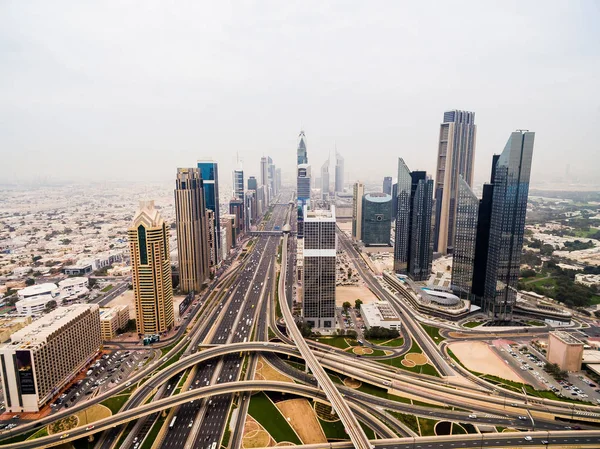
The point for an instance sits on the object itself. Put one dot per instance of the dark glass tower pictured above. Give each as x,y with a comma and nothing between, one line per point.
376,219
507,225
387,185
209,171
301,152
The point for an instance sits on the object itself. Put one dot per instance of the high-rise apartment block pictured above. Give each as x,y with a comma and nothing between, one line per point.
319,257
238,184
209,171
456,154
387,185
376,219
193,246
151,270
303,192
358,192
413,249
339,173
325,180
45,355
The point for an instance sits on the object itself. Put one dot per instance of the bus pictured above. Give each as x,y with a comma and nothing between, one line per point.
172,422
360,342
214,445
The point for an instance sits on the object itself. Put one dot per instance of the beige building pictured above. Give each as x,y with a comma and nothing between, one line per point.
359,192
112,319
565,350
45,355
193,247
151,271
9,326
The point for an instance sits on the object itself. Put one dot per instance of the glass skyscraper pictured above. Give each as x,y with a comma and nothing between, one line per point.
376,219
209,170
507,224
387,185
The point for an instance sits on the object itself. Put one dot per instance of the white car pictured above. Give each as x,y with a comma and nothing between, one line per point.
527,438
473,416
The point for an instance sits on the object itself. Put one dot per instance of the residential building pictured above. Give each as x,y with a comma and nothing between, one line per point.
357,205
236,207
565,350
507,225
456,155
303,193
339,172
318,303
387,185
151,271
463,258
238,184
193,248
376,219
209,172
250,212
113,319
380,314
413,251
325,180
45,355
211,235
228,222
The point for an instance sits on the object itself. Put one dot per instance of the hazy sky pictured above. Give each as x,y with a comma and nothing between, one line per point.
133,89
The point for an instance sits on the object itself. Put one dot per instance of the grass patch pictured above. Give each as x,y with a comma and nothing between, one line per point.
422,369
394,343
368,431
470,428
408,420
43,432
19,438
333,430
381,392
427,404
427,427
278,313
457,429
433,332
472,324
149,441
115,403
164,351
106,289
267,414
534,323
337,342
595,299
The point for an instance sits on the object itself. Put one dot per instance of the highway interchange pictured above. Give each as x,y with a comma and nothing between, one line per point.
241,310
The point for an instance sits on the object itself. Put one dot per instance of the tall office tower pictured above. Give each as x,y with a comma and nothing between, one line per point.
211,235
358,192
301,152
250,205
318,304
463,257
238,184
413,249
252,183
507,225
278,179
339,172
151,270
264,175
387,185
209,171
456,154
193,247
325,180
303,192
271,177
394,200
376,219
236,207
47,354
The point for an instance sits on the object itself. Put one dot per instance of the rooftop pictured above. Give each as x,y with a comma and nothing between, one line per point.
320,214
38,289
567,338
378,197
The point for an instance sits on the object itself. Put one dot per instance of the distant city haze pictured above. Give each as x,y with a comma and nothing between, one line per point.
129,91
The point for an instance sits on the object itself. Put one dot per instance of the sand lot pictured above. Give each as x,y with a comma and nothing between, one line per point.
255,435
352,293
303,420
477,356
264,371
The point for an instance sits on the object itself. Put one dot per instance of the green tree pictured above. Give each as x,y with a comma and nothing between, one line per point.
357,304
50,305
346,306
29,281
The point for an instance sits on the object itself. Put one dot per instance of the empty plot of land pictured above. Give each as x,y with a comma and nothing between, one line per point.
264,371
301,417
477,356
351,293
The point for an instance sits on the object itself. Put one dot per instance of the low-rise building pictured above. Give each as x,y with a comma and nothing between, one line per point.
45,355
589,280
10,325
72,288
380,314
113,319
33,299
565,350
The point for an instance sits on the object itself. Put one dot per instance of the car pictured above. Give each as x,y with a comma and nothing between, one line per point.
89,427
64,435
473,416
16,416
514,404
128,383
527,438
544,441
523,418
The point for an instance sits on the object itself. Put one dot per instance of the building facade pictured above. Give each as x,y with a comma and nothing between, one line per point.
387,185
376,219
238,184
301,152
303,193
339,172
507,225
151,271
565,350
193,248
113,319
319,269
357,204
209,171
463,257
45,355
456,154
325,180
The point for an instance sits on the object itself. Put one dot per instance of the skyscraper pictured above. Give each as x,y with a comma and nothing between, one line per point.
507,224
271,177
301,152
387,185
339,172
209,171
456,154
325,180
192,230
238,184
278,179
252,183
303,192
413,249
318,304
151,270
376,219
463,257
357,204
264,174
